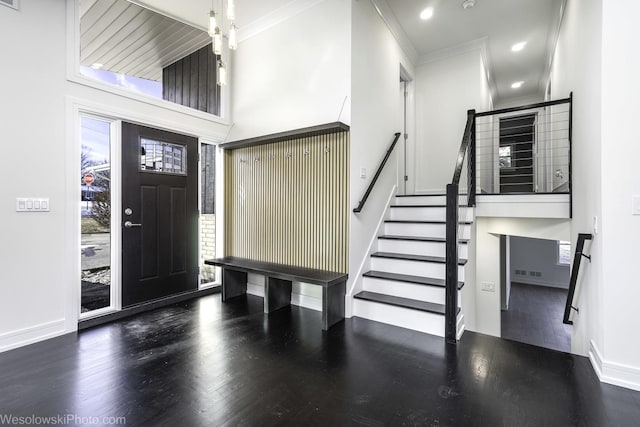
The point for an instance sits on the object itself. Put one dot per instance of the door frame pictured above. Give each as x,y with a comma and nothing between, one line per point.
75,108
406,154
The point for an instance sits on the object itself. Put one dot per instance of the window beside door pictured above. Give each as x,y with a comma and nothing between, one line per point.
95,214
207,212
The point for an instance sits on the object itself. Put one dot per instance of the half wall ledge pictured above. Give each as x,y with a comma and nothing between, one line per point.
317,130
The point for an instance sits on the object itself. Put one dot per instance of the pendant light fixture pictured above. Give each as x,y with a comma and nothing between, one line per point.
222,74
231,10
216,25
212,23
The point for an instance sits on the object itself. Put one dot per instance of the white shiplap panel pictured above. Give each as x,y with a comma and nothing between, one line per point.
132,40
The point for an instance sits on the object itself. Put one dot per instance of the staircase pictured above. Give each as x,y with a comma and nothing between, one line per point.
405,285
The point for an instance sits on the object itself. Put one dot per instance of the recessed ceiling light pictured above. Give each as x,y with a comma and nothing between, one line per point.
517,85
468,4
97,65
426,14
518,46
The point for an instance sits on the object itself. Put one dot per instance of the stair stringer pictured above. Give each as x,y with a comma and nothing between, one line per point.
356,285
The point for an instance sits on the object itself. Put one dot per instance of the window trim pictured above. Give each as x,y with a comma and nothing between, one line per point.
74,75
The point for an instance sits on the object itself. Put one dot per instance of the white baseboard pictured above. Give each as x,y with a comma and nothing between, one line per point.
306,301
33,334
614,373
256,290
300,300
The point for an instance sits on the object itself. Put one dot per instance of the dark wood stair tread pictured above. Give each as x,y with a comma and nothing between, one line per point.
420,280
413,304
420,206
418,238
409,257
402,221
427,195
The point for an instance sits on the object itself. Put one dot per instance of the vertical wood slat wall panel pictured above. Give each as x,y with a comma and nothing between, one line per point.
287,202
191,81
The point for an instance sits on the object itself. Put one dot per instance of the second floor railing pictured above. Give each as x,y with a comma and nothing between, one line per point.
518,150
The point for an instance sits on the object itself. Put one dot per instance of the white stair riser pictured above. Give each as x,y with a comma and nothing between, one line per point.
434,294
413,268
429,323
414,247
427,214
423,230
427,200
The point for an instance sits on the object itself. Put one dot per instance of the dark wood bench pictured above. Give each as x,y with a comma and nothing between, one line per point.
278,284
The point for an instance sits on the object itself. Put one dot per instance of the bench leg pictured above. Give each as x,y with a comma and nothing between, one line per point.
234,283
277,294
333,304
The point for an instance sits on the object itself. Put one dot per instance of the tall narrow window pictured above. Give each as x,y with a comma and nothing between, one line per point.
95,214
564,252
207,212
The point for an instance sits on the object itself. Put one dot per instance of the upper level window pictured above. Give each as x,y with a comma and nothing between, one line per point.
504,154
564,252
130,47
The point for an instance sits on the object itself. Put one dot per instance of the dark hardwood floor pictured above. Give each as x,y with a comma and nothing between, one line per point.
206,363
535,317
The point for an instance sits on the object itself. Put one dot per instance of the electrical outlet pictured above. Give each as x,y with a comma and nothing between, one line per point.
488,286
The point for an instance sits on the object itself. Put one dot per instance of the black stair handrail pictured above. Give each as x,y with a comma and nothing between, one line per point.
451,266
365,196
577,258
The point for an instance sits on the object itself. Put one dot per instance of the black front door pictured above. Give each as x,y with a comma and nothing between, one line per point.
160,214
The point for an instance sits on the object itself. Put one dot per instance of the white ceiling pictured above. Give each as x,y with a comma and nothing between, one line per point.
501,23
497,24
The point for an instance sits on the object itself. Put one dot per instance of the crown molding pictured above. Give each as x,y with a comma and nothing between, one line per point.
396,29
478,45
552,45
275,17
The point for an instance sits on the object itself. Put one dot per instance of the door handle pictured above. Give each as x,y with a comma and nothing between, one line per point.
129,224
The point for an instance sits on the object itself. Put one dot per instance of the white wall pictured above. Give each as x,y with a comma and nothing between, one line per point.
537,255
38,293
294,74
375,91
593,60
620,180
577,67
488,232
445,89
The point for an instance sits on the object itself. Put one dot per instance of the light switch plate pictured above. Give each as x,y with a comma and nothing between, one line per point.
363,173
32,204
635,202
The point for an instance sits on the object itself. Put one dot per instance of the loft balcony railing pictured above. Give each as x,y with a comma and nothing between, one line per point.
519,150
